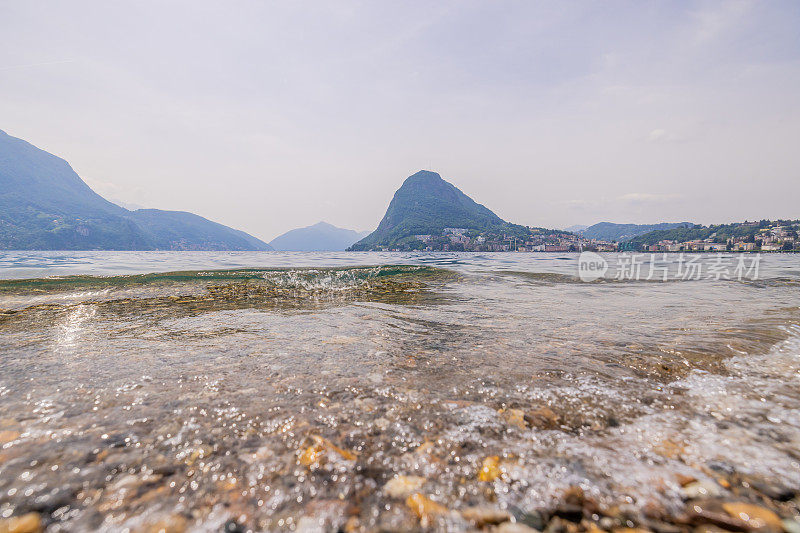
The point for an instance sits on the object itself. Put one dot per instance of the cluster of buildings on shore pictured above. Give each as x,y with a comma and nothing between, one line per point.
462,239
775,238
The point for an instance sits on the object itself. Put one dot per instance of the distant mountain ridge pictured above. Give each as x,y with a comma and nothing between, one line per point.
321,237
427,204
609,231
45,205
576,228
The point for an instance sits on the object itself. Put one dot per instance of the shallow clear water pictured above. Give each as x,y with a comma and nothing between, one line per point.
129,397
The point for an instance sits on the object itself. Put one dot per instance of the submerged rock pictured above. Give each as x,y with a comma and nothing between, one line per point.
701,489
482,516
791,525
542,418
513,527
755,516
426,509
7,436
27,523
533,519
403,486
320,451
490,469
514,417
171,524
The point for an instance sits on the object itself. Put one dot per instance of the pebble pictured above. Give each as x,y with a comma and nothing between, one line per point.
755,516
514,417
490,469
201,452
664,527
699,516
27,523
7,436
791,525
607,523
684,480
701,489
709,528
352,525
574,495
591,527
403,486
542,418
260,455
532,518
316,453
669,448
425,508
172,524
482,516
557,525
308,524
513,527
773,490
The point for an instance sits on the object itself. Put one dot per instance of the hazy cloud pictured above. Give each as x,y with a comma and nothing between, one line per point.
660,135
269,116
647,198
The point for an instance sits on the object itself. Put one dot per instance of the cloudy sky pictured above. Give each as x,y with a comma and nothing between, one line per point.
268,116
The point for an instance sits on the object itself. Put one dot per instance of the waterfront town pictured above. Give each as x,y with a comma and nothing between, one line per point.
775,237
761,236
464,240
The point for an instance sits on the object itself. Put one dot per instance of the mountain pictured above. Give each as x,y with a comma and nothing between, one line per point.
45,205
425,205
321,237
608,231
577,228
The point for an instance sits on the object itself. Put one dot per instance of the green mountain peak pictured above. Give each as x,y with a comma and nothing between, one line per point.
426,204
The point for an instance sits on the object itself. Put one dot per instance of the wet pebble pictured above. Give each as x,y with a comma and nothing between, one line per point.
308,524
756,517
709,528
403,486
701,489
425,509
7,436
513,527
27,523
490,469
542,418
482,516
791,525
171,524
322,450
514,417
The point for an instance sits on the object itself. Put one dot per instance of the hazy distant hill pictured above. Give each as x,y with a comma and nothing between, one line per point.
577,228
608,231
427,204
321,237
45,205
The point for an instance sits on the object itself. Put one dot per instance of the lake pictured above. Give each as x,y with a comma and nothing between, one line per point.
387,391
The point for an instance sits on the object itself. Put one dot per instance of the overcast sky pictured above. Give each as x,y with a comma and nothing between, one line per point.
268,116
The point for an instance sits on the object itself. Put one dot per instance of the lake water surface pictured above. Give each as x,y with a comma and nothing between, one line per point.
383,391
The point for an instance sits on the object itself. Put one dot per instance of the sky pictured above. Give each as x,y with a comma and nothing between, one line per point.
267,116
